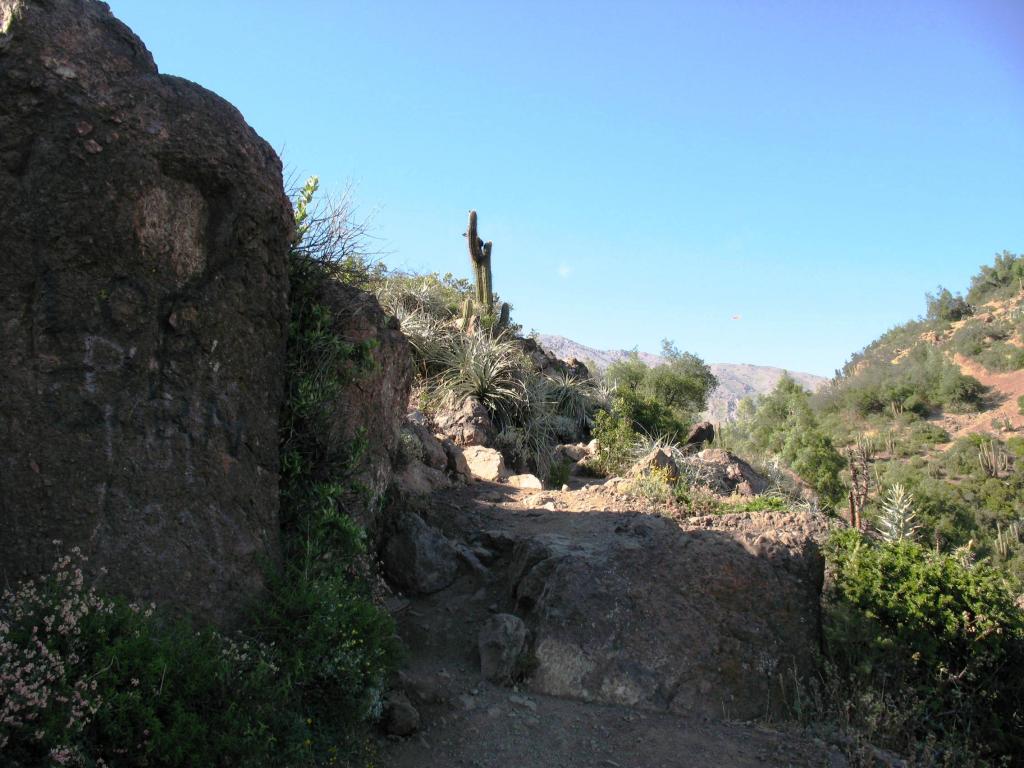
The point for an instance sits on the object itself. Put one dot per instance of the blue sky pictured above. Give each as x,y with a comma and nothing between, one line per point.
646,169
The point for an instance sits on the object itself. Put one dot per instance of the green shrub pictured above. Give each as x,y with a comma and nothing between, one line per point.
783,424
765,503
664,399
86,679
334,645
900,618
616,439
1004,278
1020,405
487,368
559,473
573,398
943,305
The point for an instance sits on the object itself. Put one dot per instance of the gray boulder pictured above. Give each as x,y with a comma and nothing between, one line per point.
418,557
502,644
704,620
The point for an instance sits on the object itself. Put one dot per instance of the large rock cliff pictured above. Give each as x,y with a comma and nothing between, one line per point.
142,316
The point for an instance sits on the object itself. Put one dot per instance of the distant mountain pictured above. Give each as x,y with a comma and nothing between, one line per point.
735,380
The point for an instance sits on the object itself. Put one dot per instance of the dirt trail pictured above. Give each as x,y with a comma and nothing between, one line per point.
469,722
1002,409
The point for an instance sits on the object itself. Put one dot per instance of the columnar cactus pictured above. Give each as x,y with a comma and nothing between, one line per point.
480,257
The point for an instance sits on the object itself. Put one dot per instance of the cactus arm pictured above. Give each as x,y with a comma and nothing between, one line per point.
485,269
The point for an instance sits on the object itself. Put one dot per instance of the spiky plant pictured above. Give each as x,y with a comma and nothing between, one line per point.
477,365
573,397
896,519
428,335
964,554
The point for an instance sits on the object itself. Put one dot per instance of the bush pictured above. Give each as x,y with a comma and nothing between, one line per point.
1004,278
664,399
1020,405
783,425
616,439
559,473
943,305
87,680
900,618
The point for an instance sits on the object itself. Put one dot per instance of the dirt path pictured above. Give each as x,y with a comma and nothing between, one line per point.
466,721
1005,389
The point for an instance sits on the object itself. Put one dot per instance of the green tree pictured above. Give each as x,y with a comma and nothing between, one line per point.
783,424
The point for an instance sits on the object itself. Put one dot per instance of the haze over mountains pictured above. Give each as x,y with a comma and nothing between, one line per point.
735,380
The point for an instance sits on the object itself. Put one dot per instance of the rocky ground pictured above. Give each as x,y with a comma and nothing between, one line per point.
648,641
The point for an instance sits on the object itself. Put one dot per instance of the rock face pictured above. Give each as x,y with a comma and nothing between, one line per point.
419,558
142,316
371,408
699,621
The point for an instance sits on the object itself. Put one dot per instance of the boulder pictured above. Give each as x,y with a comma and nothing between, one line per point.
658,459
466,424
417,479
485,463
417,557
457,464
143,317
502,644
401,718
573,452
433,452
529,482
725,473
700,433
705,620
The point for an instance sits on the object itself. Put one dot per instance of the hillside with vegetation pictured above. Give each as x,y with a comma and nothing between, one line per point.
736,381
933,405
269,502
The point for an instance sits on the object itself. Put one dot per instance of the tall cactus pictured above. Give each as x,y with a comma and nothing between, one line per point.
480,258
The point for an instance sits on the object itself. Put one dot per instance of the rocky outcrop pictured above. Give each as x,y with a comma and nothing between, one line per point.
658,460
142,317
466,424
370,411
704,620
724,473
